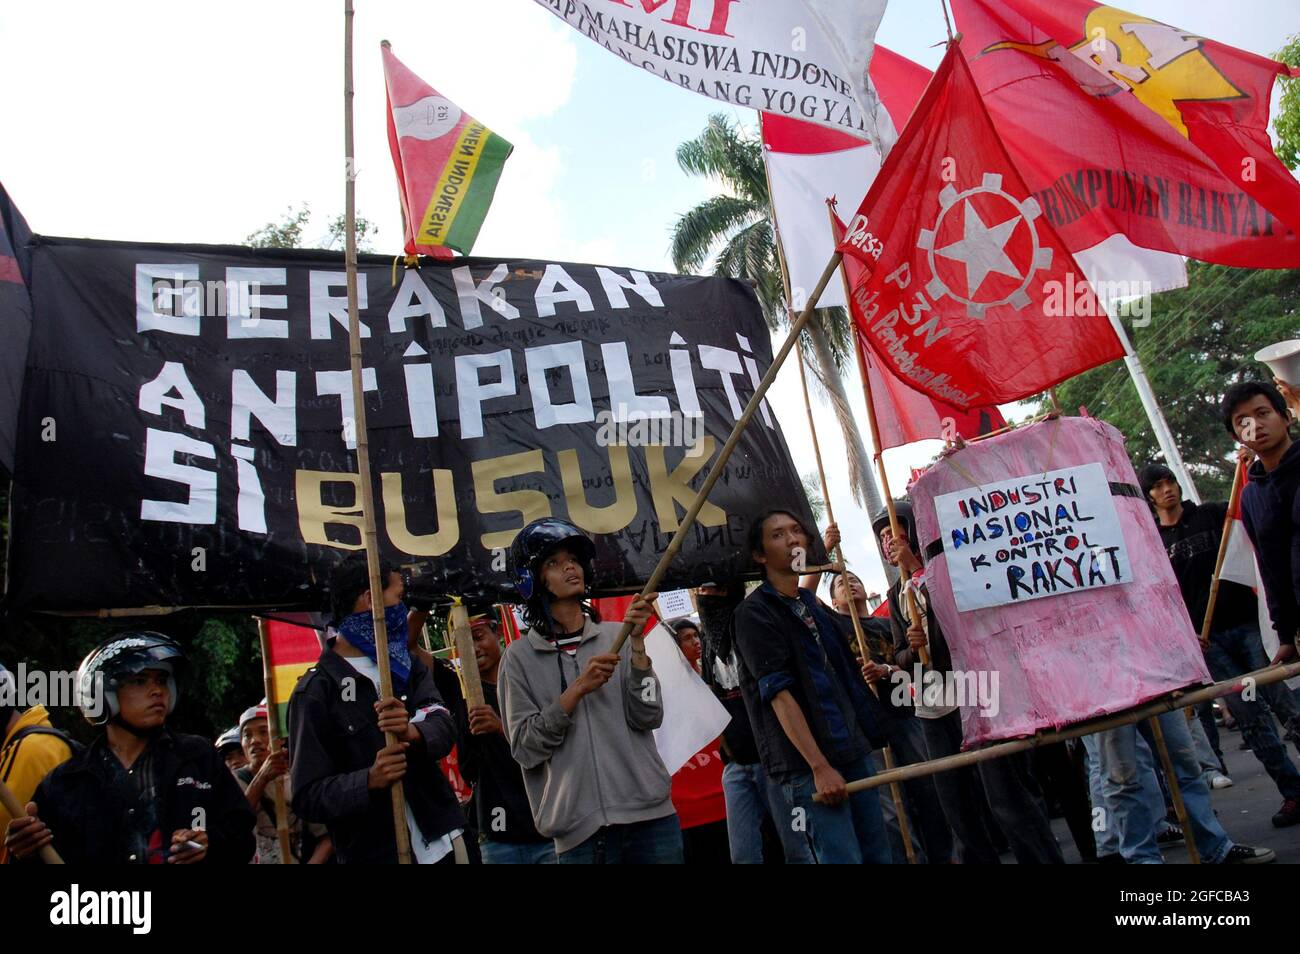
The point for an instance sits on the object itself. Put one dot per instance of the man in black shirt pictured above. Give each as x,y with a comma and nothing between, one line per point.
1191,535
507,835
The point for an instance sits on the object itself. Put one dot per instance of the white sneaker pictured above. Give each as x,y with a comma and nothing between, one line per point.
1219,780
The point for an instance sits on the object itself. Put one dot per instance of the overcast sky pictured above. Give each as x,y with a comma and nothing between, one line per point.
188,122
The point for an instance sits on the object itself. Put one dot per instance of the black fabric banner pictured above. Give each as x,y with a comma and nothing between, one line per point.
186,434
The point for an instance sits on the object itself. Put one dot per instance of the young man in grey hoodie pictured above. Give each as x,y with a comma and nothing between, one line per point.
580,718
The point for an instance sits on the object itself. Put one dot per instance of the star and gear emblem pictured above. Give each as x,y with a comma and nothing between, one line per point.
982,248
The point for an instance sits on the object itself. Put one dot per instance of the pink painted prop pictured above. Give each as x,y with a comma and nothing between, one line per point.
1063,659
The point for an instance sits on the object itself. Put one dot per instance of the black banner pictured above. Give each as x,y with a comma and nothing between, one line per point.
186,435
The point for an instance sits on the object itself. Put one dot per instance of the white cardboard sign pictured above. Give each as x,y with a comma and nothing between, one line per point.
1025,538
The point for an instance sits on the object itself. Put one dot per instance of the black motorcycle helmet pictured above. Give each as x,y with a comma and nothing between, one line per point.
125,655
539,540
903,509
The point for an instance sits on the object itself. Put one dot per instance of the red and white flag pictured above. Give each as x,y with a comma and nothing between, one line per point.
808,164
693,716
1124,126
969,293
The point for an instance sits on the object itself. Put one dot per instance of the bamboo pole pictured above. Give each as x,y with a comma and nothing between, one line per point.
46,853
715,472
1233,498
371,535
1175,790
277,742
1176,700
463,638
913,610
895,792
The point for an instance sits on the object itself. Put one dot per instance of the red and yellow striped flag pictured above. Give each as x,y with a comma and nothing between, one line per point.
291,651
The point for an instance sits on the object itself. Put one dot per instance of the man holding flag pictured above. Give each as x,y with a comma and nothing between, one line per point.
1191,535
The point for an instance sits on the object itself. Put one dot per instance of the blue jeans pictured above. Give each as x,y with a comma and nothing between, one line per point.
1129,792
1106,826
850,833
751,795
1234,652
506,853
654,842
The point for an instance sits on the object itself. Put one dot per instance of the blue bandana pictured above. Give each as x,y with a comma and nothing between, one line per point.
359,630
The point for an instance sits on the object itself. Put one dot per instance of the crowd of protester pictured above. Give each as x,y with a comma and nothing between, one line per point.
561,757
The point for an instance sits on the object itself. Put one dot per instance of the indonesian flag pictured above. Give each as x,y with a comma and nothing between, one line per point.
1239,566
965,291
447,163
903,414
808,164
1122,125
693,717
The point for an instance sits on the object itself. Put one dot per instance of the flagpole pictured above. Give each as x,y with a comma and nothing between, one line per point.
1156,417
1233,499
715,472
369,533
277,742
914,610
10,803
463,639
900,811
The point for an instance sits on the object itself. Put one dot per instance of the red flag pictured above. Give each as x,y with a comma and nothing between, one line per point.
903,414
1122,125
970,296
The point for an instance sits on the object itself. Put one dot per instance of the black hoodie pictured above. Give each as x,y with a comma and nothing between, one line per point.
1269,511
1193,547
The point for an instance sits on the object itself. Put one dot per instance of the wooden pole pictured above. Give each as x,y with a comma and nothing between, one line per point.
463,637
1175,790
1177,700
370,534
277,743
895,792
715,472
47,853
913,610
1233,498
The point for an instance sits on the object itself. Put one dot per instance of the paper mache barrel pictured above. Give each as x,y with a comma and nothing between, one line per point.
1046,571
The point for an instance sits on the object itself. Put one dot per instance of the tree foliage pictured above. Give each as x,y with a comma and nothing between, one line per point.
1287,122
1199,341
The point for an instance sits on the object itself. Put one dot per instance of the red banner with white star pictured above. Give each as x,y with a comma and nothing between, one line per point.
970,295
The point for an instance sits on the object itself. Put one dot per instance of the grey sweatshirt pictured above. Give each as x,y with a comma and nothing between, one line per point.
598,766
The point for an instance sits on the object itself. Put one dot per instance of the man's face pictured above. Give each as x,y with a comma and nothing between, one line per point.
887,545
487,648
255,736
1258,425
393,593
847,582
689,641
782,540
1166,494
143,699
562,574
235,758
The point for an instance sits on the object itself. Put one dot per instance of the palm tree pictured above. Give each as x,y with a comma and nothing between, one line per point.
740,220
